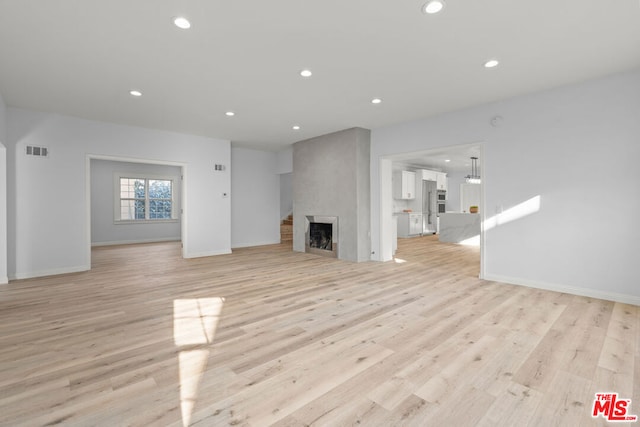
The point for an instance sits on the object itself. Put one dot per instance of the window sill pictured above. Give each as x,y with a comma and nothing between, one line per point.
145,221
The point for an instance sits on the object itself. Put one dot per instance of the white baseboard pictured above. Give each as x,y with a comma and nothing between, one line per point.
52,272
133,242
248,245
4,280
206,254
573,290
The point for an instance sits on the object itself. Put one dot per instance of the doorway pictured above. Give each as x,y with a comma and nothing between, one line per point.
456,162
157,211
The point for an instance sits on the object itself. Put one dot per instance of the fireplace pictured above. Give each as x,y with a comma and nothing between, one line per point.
321,235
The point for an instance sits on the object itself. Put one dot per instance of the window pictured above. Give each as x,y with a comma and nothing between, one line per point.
144,199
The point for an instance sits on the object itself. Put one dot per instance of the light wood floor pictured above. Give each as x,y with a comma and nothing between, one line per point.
266,336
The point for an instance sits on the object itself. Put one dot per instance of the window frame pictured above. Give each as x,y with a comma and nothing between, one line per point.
146,178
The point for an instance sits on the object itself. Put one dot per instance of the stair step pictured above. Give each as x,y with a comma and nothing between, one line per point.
286,230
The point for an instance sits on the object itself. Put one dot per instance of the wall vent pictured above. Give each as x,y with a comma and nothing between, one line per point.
32,150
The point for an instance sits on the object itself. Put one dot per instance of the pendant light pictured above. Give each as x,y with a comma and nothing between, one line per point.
474,178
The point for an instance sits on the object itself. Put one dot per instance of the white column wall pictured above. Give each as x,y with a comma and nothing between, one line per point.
255,190
4,277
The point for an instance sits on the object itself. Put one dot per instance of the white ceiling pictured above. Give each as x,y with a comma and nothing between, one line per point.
452,160
81,58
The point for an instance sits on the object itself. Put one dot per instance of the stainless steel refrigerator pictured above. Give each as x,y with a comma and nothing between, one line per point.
429,207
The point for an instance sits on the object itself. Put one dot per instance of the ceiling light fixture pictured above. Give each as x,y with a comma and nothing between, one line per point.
306,73
182,22
473,178
433,6
230,113
447,160
296,127
135,93
491,63
376,101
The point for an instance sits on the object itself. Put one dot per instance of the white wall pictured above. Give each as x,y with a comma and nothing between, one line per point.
285,160
453,190
285,169
3,193
470,195
104,230
576,147
286,195
48,198
255,191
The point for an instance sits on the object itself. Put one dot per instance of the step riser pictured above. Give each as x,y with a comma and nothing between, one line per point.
286,230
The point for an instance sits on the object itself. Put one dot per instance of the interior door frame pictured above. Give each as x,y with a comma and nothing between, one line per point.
183,194
386,201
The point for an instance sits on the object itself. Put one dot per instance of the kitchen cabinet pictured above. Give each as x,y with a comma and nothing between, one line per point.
409,224
428,175
439,177
441,181
404,185
415,224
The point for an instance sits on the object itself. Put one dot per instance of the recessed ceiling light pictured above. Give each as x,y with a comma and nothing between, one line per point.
230,113
296,127
306,73
376,101
135,93
182,22
491,63
433,6
447,160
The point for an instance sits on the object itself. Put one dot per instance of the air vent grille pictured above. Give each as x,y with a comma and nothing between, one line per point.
35,151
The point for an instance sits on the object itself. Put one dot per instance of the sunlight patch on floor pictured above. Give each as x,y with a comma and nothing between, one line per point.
471,241
194,325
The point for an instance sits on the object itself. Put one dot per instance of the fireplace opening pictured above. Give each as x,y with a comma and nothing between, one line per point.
321,235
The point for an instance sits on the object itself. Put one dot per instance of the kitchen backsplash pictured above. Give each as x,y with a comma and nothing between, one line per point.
399,205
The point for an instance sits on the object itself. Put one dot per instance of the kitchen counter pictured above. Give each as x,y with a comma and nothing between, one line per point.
457,227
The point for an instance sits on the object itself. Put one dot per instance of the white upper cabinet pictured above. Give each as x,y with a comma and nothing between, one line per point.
439,177
428,175
441,181
404,185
